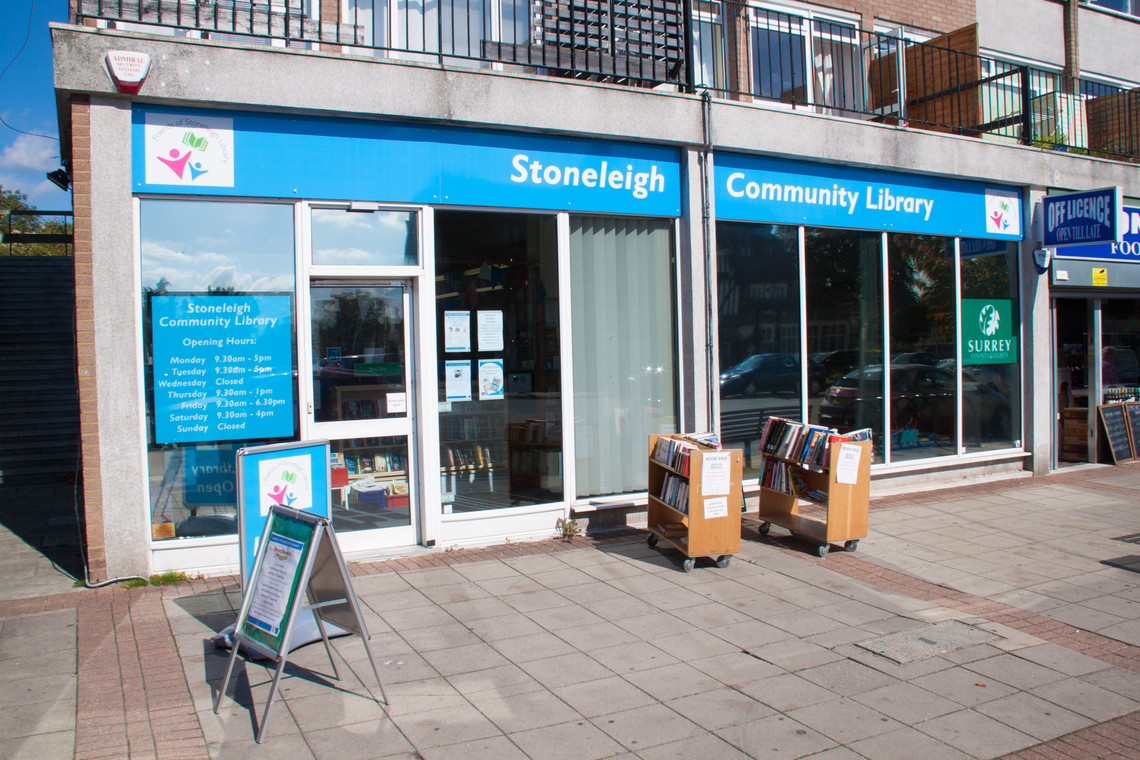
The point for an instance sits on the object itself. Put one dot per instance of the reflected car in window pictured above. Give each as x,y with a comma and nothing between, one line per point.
769,374
922,398
836,364
915,357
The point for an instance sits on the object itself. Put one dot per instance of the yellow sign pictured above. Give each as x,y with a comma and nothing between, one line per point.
1100,277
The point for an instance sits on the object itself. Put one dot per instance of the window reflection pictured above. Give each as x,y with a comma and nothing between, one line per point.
358,352
991,393
845,327
923,347
206,248
354,238
758,280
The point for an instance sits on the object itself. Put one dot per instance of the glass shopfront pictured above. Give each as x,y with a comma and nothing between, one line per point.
552,336
202,263
908,295
1096,337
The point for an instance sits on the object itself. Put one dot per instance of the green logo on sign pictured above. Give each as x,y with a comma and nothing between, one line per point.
197,143
987,331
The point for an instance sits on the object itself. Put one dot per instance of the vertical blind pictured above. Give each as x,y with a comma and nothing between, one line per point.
625,375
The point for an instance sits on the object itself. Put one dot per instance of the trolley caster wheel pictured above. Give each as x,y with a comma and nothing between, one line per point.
851,546
688,565
652,540
722,562
822,550
764,528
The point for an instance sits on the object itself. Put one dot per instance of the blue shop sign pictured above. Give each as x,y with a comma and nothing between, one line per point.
223,367
275,155
1083,218
779,191
1128,250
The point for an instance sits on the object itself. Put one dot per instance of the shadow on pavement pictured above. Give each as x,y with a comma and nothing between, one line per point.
44,516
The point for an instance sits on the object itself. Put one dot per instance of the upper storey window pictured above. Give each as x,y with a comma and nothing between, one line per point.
1131,7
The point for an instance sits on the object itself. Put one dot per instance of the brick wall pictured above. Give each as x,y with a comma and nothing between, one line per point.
85,336
935,15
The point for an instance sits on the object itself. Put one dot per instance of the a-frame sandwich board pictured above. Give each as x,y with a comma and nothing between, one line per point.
298,557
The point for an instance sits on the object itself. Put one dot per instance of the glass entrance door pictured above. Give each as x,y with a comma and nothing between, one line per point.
360,398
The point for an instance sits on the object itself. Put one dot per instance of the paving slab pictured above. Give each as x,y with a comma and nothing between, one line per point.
603,648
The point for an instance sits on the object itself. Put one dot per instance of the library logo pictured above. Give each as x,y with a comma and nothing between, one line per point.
189,150
1003,212
285,482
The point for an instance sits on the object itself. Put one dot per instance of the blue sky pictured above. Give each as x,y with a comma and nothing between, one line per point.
27,102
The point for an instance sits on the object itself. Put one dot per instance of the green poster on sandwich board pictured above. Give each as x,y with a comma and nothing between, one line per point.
298,559
285,547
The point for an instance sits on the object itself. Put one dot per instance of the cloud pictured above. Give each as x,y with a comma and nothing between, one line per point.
30,154
41,193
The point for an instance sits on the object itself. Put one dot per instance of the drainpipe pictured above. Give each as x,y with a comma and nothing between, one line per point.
713,384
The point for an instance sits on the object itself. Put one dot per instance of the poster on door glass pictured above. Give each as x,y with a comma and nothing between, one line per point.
491,379
456,331
457,382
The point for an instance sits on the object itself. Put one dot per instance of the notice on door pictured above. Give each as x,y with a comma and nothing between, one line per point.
222,367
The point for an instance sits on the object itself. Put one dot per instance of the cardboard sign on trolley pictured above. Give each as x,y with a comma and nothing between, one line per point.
293,475
298,557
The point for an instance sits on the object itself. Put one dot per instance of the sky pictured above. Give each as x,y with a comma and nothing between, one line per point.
27,102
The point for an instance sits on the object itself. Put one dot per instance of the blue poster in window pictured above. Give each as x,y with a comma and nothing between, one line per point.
210,475
223,367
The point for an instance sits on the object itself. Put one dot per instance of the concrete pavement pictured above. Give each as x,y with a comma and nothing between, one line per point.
1028,592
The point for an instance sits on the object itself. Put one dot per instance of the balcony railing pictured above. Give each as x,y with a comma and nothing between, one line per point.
735,50
638,42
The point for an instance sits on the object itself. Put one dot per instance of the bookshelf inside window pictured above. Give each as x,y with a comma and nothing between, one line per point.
688,508
814,484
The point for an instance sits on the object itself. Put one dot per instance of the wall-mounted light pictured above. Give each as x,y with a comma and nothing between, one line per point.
60,179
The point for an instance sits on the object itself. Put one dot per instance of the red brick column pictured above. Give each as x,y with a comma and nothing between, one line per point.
85,336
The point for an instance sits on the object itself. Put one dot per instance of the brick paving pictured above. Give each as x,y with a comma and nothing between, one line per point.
134,699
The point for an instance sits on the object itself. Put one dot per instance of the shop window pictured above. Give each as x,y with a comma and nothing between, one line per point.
370,483
991,380
1120,336
759,377
625,373
240,255
344,237
844,284
499,352
358,351
923,413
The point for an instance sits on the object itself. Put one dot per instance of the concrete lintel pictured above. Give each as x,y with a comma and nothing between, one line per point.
210,73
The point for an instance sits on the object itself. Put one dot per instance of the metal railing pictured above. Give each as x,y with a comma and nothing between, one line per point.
734,50
638,42
27,232
745,53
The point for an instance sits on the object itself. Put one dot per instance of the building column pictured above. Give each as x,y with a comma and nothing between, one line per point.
697,293
1037,352
109,339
